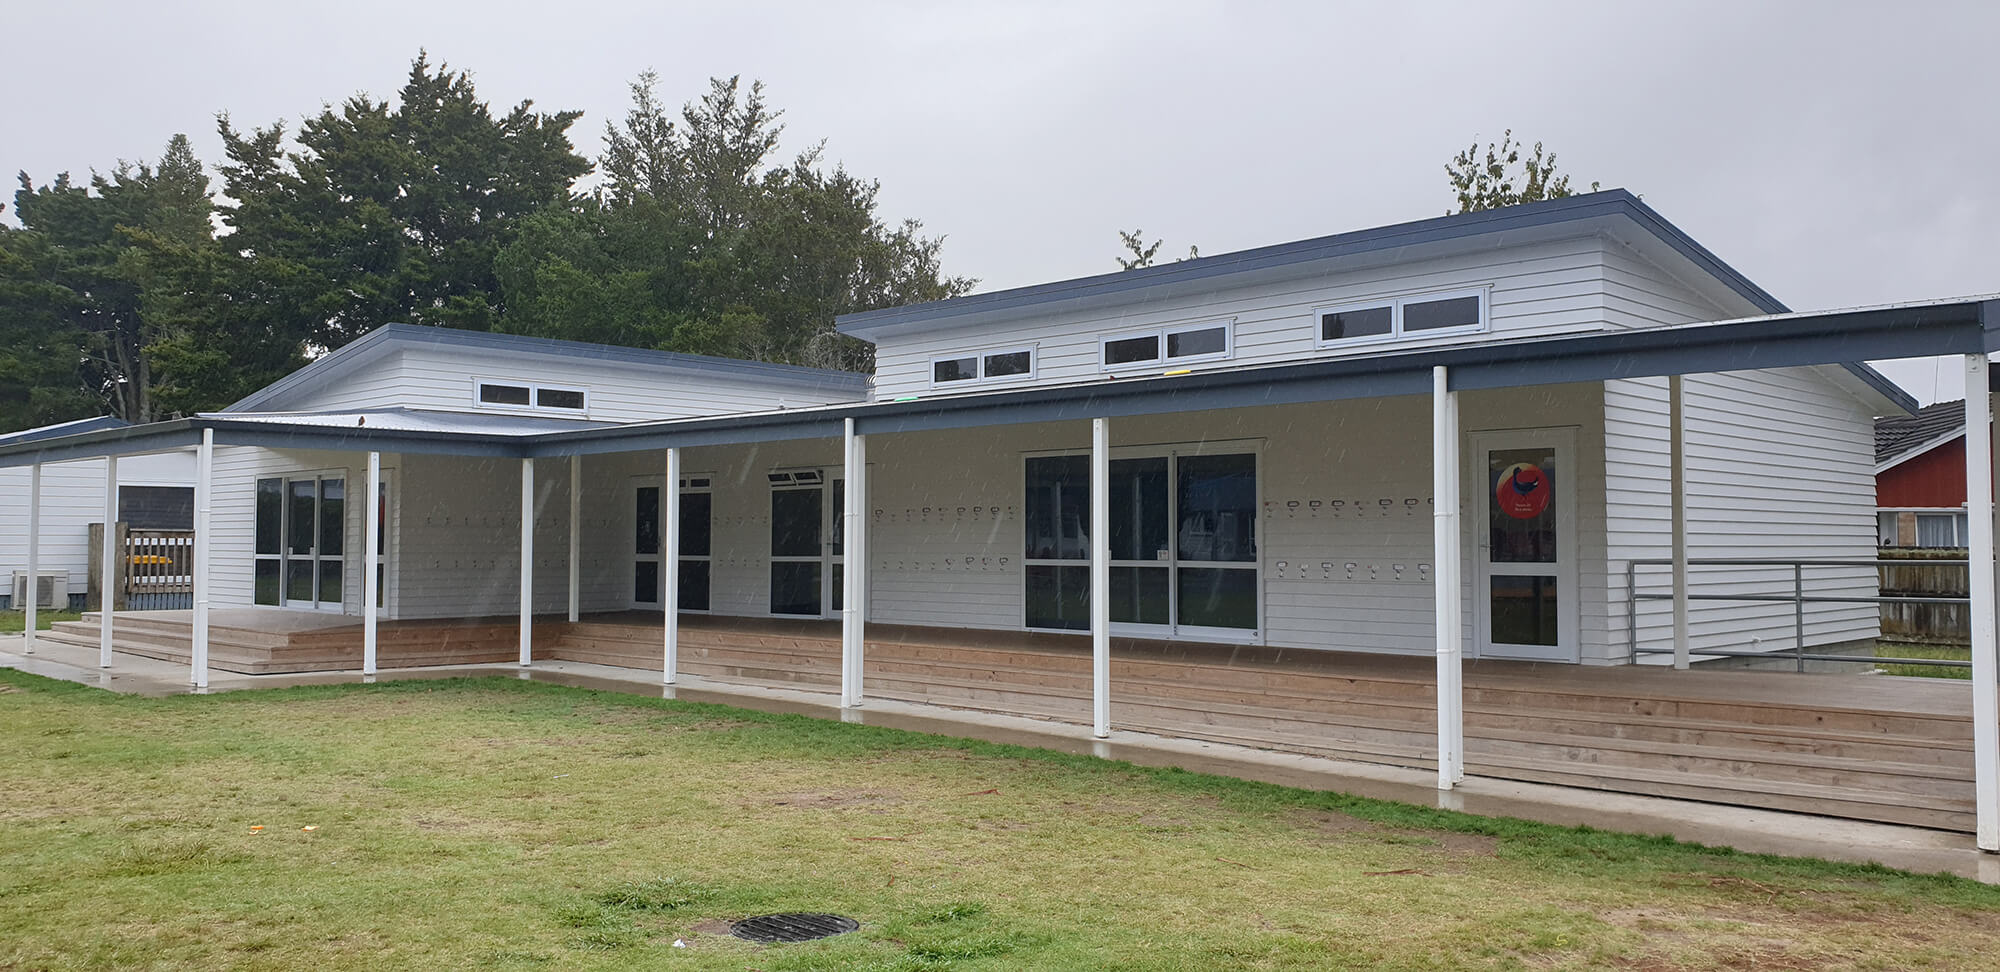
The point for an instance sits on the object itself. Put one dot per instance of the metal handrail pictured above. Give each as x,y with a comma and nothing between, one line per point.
1798,598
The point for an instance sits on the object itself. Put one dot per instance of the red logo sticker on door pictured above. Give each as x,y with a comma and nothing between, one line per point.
1523,492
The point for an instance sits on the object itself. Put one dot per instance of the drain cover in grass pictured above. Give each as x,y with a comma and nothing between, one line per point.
794,927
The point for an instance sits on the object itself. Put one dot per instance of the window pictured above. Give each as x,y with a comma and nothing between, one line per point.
299,541
500,394
156,507
1187,343
694,558
503,394
1452,313
1005,364
1183,543
1935,529
1941,529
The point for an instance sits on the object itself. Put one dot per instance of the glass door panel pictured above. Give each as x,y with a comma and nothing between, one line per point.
1215,541
1183,545
332,540
646,547
1141,585
798,520
1527,545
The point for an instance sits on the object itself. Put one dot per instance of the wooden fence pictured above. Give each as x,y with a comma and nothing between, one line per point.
155,569
1933,624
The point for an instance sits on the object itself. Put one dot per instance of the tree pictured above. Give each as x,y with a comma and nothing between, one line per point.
1490,182
74,278
1142,253
41,357
696,243
390,213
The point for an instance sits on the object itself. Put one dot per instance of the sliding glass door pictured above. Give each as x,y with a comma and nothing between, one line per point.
1183,545
300,541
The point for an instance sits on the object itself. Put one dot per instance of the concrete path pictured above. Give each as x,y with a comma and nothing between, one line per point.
1756,831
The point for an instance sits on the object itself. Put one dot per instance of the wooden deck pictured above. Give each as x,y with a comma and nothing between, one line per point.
1862,746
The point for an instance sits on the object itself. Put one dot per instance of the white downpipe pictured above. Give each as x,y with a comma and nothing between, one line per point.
371,545
1985,691
107,566
1100,577
670,570
853,614
527,562
1677,500
204,496
34,586
575,538
1446,592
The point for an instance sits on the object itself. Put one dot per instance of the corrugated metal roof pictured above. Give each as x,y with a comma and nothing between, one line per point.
1898,434
75,427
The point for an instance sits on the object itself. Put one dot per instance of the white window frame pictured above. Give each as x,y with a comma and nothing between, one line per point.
979,358
1395,305
1921,511
1172,630
535,390
349,483
1160,336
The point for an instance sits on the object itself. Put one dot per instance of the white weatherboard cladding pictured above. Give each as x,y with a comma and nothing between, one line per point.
1639,293
1546,288
1779,466
945,514
72,499
442,378
233,516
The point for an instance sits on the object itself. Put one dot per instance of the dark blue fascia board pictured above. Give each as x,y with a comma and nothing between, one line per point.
1776,343
693,433
343,439
1962,327
121,441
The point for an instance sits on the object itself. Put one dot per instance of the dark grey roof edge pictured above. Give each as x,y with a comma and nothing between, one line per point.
1965,326
71,427
422,335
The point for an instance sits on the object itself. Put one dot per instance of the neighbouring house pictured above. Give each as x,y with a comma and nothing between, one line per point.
155,496
1920,477
1471,436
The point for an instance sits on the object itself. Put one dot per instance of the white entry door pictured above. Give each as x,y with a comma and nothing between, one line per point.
1524,595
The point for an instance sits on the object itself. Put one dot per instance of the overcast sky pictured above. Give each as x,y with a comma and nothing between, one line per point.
1836,153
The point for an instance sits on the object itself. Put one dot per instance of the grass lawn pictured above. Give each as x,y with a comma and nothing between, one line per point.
504,824
1959,652
16,620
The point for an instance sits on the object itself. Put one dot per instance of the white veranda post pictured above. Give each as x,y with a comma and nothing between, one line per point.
1677,500
33,588
204,492
854,570
527,562
670,569
1979,516
371,545
107,563
575,537
1448,589
1100,577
